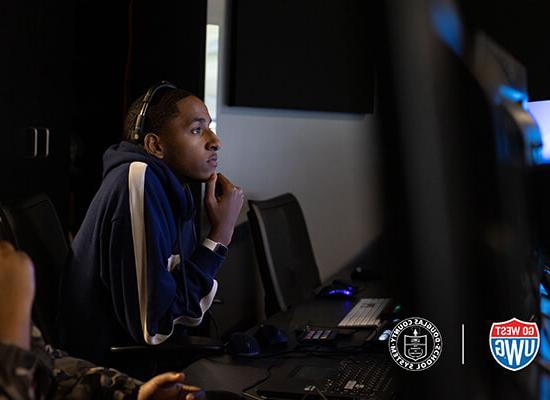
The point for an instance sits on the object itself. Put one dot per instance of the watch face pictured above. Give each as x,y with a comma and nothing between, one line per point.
220,249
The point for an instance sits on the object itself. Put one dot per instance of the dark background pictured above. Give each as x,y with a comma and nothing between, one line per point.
521,27
73,67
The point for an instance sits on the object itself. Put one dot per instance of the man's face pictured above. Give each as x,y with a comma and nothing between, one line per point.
190,147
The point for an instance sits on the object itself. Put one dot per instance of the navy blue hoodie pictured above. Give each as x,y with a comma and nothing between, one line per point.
137,268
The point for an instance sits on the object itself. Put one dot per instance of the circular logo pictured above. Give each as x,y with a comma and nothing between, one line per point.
415,344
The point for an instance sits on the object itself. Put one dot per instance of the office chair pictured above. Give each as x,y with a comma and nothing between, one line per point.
285,257
31,225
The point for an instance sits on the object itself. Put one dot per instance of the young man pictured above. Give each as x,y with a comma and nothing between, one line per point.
138,269
32,370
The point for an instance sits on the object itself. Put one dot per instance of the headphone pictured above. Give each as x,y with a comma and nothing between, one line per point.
139,127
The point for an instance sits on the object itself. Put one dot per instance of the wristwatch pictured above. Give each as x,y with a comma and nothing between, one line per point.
216,247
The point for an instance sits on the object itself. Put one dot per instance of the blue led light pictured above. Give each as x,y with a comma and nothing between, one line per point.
542,290
544,324
340,291
448,26
512,94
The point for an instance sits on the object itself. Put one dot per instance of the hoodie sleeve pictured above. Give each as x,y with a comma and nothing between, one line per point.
23,375
170,288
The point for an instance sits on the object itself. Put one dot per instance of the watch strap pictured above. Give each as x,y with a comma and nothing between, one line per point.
215,247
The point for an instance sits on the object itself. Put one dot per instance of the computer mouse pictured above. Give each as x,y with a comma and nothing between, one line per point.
270,337
338,290
222,395
243,345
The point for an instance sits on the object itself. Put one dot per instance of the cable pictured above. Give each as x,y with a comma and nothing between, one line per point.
252,396
320,393
306,395
262,380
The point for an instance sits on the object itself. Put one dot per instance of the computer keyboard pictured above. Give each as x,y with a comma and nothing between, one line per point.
365,313
358,378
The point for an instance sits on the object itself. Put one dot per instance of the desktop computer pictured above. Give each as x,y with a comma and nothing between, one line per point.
458,147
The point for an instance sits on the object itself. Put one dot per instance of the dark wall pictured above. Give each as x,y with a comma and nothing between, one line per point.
122,48
168,42
36,98
73,67
99,57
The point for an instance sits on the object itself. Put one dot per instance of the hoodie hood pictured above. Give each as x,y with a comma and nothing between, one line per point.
127,152
123,153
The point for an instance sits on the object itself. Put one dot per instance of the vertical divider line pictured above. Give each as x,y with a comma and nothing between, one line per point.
462,344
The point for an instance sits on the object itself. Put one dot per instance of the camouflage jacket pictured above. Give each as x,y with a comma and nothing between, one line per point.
47,373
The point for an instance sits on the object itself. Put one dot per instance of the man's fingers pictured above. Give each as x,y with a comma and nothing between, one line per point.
168,378
211,187
228,186
195,395
6,247
190,388
224,181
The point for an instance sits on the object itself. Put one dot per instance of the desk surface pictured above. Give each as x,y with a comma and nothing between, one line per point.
237,373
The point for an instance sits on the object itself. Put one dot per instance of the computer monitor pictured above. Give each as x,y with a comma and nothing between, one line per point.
540,110
455,160
539,179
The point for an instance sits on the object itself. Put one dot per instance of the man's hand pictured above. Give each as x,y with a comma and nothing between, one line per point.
222,209
17,288
169,386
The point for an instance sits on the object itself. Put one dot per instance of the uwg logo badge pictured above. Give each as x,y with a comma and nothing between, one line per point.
514,343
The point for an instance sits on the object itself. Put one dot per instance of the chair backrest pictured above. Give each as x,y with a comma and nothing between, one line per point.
32,225
239,287
283,248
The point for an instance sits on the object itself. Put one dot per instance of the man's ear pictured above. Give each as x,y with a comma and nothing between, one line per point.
152,145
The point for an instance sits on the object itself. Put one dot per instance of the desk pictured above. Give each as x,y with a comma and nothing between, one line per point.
236,373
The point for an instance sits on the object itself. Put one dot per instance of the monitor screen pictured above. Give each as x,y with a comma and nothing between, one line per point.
540,110
302,55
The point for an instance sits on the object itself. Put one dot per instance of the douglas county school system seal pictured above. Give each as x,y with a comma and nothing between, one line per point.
415,344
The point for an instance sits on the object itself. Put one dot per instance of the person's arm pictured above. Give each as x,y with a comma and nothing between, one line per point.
43,372
50,373
17,288
23,374
153,289
79,379
223,208
194,274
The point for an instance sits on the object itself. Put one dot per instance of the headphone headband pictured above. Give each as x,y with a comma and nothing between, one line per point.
139,126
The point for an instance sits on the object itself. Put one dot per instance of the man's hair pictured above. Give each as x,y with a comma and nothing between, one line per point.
162,109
